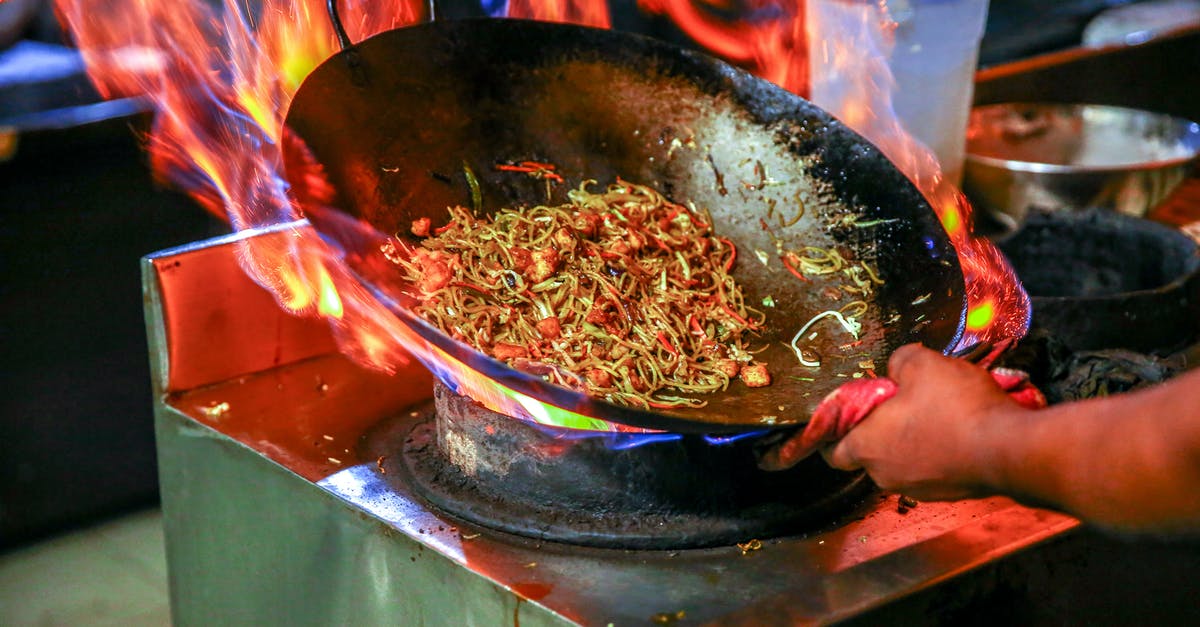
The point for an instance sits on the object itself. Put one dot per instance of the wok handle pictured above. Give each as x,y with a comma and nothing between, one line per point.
338,30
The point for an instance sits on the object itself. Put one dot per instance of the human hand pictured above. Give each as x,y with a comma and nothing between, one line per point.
929,440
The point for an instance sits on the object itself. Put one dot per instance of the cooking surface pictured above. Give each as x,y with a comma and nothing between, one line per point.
859,561
264,453
771,172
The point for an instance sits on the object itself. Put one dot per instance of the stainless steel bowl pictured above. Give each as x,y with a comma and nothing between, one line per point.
1024,156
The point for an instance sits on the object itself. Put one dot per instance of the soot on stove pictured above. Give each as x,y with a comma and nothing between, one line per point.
1115,298
552,484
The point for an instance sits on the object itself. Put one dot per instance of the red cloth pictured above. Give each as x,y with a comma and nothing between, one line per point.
845,407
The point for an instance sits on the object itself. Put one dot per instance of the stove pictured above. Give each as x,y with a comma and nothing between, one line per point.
289,494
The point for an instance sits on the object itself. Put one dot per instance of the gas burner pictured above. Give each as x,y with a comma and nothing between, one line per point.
602,489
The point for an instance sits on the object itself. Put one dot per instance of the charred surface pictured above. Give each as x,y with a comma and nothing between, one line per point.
520,478
1101,280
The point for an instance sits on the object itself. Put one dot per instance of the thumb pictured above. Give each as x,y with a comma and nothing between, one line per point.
841,455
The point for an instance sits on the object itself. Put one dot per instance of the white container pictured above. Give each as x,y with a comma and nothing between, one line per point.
932,62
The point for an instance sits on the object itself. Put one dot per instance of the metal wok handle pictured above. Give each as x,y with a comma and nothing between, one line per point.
339,30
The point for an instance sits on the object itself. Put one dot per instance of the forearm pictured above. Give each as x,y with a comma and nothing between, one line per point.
1130,461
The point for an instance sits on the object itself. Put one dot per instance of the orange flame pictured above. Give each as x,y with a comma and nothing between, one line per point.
583,12
770,37
852,51
221,81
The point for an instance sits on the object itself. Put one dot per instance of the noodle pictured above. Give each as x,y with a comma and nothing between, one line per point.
622,292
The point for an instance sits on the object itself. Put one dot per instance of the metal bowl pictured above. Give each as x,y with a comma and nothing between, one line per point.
1052,157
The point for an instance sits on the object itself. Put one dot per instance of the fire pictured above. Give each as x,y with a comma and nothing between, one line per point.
583,12
769,37
221,80
851,71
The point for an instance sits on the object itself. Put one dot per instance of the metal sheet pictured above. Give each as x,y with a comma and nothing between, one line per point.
356,545
260,530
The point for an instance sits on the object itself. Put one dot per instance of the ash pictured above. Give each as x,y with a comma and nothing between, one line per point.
1064,374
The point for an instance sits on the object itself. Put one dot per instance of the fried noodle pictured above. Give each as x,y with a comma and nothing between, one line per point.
621,293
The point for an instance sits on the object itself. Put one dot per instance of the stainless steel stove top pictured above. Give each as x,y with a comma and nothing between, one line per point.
273,514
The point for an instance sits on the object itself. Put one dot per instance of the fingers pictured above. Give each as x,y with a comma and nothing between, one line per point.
841,456
782,456
907,360
913,366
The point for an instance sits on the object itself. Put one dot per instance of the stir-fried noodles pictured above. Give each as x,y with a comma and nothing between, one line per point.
622,293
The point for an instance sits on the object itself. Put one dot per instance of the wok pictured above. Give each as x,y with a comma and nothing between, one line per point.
394,119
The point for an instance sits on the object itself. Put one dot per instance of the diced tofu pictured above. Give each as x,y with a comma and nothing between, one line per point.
545,264
436,276
420,227
564,240
505,351
550,328
730,368
756,375
599,378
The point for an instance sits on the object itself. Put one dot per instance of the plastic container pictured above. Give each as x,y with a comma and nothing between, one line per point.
933,57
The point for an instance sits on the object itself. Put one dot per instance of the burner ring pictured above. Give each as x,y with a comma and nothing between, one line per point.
504,474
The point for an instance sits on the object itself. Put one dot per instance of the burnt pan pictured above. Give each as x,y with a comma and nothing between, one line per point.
396,120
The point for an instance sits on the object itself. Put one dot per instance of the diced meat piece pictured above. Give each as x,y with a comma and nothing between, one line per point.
636,382
756,375
601,312
545,264
599,378
587,224
505,351
564,240
549,327
729,368
522,259
437,275
420,227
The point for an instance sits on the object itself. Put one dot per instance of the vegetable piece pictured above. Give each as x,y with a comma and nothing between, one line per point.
851,326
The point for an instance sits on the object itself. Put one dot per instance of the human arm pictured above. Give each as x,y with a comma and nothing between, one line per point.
1129,461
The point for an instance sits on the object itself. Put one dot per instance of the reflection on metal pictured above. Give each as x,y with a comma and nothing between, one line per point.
273,515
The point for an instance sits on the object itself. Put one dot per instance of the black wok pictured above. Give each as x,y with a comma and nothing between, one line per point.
393,119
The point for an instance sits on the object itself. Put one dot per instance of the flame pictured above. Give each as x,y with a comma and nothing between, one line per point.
850,69
767,36
582,12
221,80
836,53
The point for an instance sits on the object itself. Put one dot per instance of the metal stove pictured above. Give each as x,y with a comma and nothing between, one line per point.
280,506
